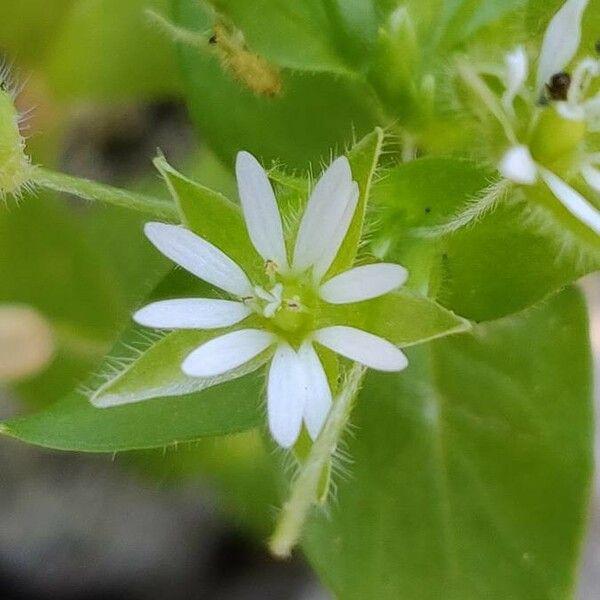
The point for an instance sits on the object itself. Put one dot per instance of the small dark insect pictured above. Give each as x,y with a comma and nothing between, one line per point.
3,86
212,40
428,210
559,85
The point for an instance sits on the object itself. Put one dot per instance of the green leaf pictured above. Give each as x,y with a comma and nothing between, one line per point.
471,470
363,157
74,424
497,265
106,50
461,20
502,265
28,27
314,113
402,317
297,35
426,193
47,263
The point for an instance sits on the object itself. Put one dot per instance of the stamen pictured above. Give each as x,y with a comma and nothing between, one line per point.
271,268
294,304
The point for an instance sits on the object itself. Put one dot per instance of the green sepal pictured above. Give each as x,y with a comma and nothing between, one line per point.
156,372
211,216
402,317
363,157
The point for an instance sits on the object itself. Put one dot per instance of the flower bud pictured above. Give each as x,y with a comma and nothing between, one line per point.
395,56
15,165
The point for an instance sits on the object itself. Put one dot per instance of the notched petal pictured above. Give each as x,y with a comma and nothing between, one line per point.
260,209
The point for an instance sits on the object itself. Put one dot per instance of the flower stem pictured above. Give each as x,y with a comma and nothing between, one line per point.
90,190
305,487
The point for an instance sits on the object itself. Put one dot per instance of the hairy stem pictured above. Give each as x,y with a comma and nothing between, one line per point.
304,490
472,211
90,190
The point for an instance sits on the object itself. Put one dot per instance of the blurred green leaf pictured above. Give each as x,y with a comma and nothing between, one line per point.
82,269
300,35
74,424
471,470
325,35
107,50
28,27
460,20
314,113
43,253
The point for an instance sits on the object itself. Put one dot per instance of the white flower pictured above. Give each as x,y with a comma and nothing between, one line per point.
297,390
566,95
560,44
518,166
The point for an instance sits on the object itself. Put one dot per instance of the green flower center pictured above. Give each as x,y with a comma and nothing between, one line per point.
289,309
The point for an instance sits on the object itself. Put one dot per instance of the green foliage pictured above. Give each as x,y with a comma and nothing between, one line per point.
318,112
471,269
74,424
470,471
106,50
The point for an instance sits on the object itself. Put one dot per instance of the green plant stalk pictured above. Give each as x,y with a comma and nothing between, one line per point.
304,491
98,192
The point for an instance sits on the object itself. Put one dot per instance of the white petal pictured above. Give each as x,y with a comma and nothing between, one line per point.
326,207
360,346
199,257
192,313
318,397
572,200
363,283
561,41
226,352
286,395
571,112
517,69
583,75
335,239
260,209
591,110
591,176
518,165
